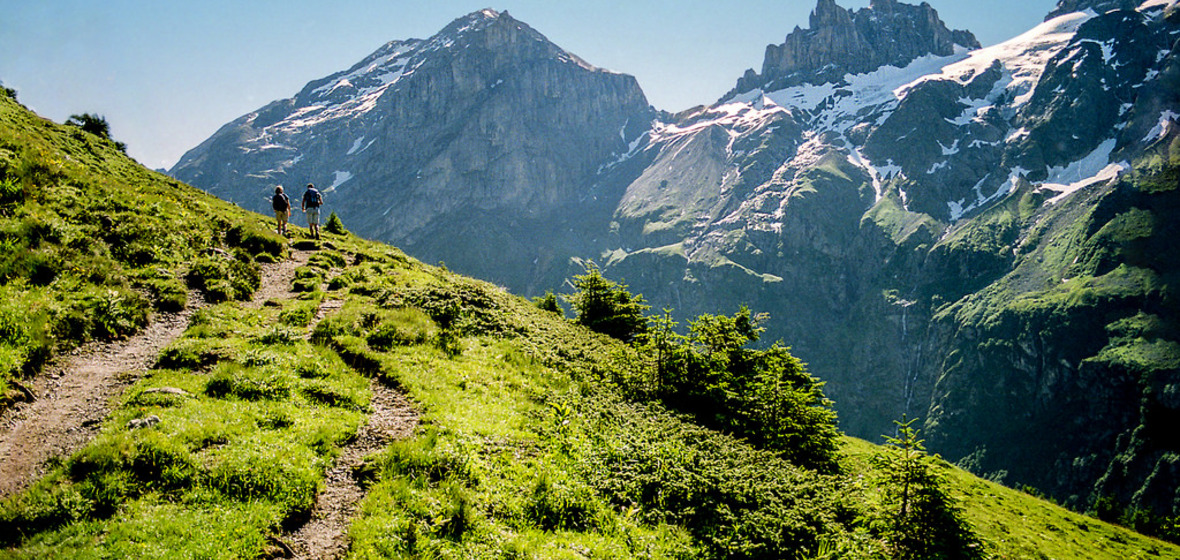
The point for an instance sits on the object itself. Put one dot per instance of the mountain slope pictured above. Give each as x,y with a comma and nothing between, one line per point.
914,215
528,448
866,213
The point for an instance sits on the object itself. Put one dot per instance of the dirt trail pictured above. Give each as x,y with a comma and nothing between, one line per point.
75,392
323,536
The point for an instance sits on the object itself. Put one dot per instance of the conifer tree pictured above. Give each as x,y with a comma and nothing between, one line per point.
919,519
606,306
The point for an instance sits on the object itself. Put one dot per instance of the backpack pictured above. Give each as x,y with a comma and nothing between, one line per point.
280,202
315,200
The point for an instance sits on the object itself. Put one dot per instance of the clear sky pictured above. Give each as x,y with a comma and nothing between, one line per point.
168,73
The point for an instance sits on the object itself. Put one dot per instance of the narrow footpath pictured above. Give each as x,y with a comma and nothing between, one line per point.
76,391
324,536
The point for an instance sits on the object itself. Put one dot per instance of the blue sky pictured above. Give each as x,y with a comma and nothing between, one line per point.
167,74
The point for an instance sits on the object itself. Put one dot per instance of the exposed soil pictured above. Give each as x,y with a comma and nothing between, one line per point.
77,390
74,393
323,536
393,417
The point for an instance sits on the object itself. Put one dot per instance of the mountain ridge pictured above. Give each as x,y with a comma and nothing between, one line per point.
840,41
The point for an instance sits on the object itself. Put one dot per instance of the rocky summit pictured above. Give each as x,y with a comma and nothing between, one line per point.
982,238
466,147
842,41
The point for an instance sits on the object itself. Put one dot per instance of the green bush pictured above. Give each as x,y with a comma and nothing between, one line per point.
330,395
423,460
765,396
249,472
247,383
402,327
256,240
193,353
102,313
224,279
11,192
168,294
738,502
606,306
356,353
559,502
327,260
334,225
299,313
548,302
307,279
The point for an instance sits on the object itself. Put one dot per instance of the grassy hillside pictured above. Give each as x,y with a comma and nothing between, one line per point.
527,445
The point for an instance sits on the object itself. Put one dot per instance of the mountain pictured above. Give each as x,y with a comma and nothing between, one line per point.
472,143
976,237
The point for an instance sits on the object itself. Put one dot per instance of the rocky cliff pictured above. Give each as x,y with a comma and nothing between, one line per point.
466,147
841,41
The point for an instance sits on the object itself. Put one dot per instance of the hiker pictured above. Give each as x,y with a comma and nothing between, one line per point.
312,200
282,206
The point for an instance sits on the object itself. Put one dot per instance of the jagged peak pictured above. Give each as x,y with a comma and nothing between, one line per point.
841,41
827,13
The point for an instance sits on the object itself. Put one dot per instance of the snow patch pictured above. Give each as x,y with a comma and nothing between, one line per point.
843,104
1165,125
1150,5
340,178
1023,58
355,146
959,208
856,158
1087,171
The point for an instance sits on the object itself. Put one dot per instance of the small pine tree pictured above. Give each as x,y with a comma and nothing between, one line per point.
919,519
96,125
606,306
334,225
548,302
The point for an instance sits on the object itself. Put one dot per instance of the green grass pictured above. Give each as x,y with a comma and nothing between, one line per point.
1020,526
528,448
236,458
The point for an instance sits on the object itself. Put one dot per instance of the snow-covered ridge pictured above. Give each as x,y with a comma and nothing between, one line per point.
1023,58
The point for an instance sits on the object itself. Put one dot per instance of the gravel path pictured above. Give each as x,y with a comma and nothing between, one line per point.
324,536
72,396
74,393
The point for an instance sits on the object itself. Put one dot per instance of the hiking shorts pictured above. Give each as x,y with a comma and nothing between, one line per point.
281,215
313,216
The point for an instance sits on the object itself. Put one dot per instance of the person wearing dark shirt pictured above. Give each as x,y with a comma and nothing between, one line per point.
312,200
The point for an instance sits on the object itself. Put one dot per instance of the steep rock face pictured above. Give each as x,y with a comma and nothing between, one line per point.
468,145
840,41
